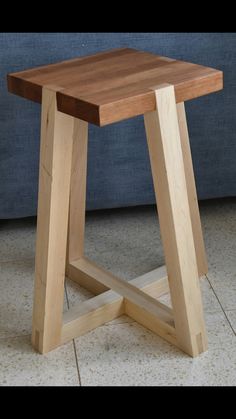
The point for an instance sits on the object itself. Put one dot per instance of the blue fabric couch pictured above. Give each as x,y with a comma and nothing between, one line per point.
118,165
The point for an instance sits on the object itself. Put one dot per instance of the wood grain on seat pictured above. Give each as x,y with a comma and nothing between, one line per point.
114,85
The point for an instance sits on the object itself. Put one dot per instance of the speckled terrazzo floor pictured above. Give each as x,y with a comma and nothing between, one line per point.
127,242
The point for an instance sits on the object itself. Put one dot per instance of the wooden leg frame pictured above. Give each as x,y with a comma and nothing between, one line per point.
62,191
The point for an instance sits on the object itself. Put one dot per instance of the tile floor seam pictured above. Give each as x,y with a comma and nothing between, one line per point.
73,340
77,362
66,295
222,308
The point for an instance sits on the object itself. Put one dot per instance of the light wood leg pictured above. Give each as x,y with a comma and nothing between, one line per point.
168,172
78,191
192,193
76,229
53,206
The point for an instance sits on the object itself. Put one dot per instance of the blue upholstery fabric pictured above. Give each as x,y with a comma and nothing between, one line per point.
118,166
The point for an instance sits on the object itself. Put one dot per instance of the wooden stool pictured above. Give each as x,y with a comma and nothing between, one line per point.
101,89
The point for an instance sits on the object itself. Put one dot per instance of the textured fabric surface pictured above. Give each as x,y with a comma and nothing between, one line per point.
118,165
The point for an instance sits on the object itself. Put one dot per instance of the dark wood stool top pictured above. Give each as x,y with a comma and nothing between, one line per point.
114,85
